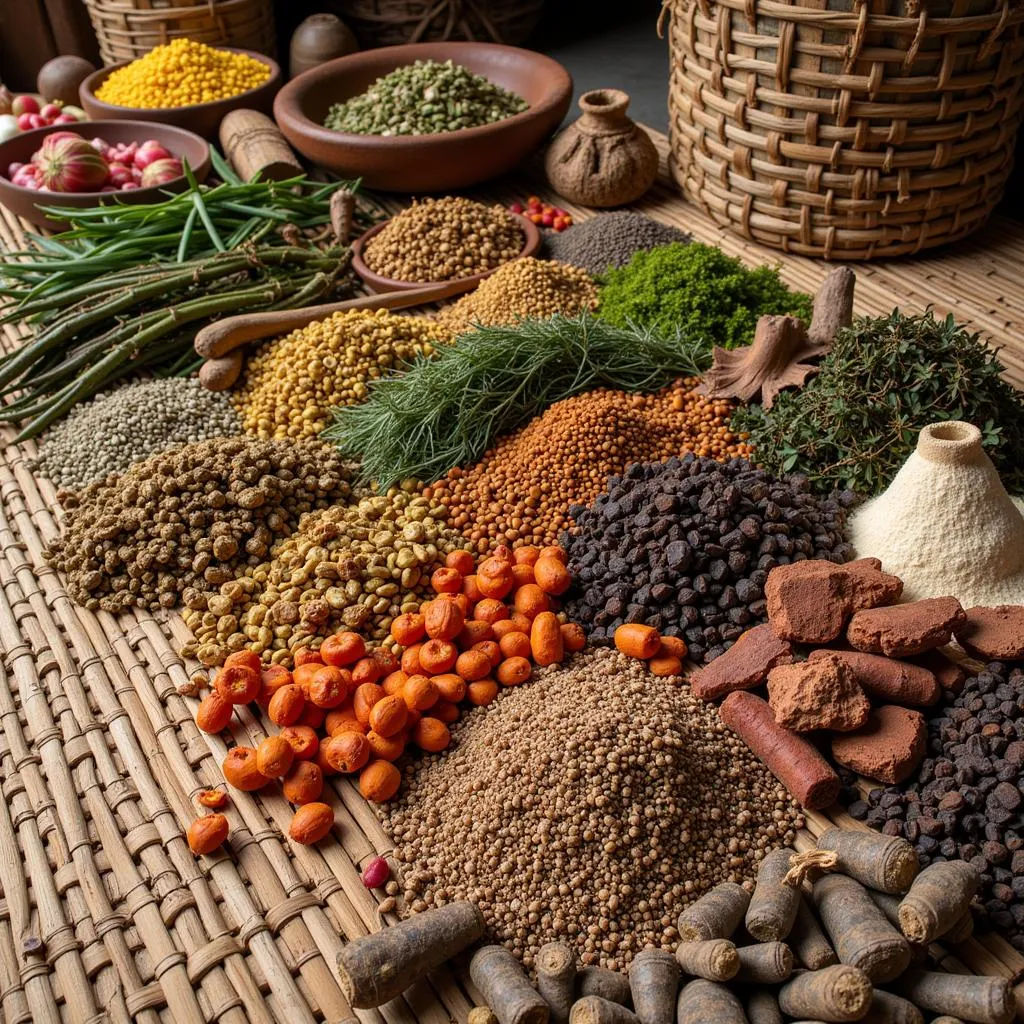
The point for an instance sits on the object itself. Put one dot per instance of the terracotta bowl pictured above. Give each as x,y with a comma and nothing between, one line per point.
28,204
377,284
425,163
202,118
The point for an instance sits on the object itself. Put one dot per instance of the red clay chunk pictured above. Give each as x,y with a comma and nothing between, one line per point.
810,601
906,629
895,682
820,694
993,634
950,675
888,748
745,665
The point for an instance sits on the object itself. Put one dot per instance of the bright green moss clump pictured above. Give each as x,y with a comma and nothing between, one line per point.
699,290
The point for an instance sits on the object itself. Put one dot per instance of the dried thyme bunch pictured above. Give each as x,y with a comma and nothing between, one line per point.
425,98
855,423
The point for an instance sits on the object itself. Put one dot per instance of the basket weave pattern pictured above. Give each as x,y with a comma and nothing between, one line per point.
393,22
127,29
851,133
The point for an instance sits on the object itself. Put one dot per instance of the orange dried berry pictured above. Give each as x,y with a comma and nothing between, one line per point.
446,580
445,711
573,637
462,602
443,619
490,610
505,626
286,705
473,632
347,751
408,629
237,684
463,561
241,771
366,670
213,798
530,601
411,660
497,585
491,649
364,699
450,687
552,575
515,645
387,747
555,551
329,686
303,784
482,692
246,659
387,661
342,649
274,756
471,589
673,646
436,656
473,665
389,716
304,673
311,823
322,763
342,719
526,555
205,834
513,671
311,716
665,665
394,682
431,735
379,781
214,713
522,573
307,656
419,693
272,678
303,740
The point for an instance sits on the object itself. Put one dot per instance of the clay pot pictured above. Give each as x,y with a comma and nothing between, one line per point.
603,158
320,38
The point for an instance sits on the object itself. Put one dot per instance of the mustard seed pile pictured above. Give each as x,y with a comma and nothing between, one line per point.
521,491
591,805
293,382
189,517
523,288
444,239
354,566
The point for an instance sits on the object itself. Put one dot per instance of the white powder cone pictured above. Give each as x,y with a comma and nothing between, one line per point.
946,525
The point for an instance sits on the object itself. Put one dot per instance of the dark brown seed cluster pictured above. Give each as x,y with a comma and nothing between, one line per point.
190,517
591,805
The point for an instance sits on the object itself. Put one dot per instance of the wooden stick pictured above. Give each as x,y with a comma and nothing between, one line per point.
767,963
599,981
839,993
654,984
712,959
556,979
773,906
505,987
716,915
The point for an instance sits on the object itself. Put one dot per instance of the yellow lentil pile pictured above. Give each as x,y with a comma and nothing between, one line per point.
522,489
443,239
354,566
293,382
523,288
180,74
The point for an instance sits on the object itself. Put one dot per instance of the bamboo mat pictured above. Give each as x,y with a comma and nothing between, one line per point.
105,915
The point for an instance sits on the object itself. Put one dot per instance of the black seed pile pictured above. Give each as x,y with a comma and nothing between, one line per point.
965,801
686,546
610,240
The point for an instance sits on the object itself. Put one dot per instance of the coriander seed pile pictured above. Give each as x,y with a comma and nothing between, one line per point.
444,239
523,288
521,491
292,383
592,806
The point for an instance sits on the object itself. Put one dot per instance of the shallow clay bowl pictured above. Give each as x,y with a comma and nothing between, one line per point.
28,203
377,284
425,163
202,118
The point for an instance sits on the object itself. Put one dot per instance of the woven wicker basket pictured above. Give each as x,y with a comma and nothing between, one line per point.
849,133
127,29
392,22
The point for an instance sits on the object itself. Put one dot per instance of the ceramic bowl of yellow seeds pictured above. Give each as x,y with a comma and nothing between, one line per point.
183,83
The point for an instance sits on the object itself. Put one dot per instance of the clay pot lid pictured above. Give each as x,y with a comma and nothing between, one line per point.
378,284
952,442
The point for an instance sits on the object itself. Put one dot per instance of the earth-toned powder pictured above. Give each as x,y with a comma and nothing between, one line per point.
610,240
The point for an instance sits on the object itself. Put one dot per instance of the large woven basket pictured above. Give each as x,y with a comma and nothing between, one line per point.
127,29
392,22
851,129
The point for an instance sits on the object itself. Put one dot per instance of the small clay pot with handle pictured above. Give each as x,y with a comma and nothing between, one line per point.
603,158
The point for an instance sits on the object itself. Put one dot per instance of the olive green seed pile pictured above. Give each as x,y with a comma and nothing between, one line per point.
129,423
355,566
189,517
444,239
523,288
425,98
590,805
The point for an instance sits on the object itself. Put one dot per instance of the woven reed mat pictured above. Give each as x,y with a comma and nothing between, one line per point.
105,915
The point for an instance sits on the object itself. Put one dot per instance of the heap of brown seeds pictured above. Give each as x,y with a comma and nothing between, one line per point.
591,805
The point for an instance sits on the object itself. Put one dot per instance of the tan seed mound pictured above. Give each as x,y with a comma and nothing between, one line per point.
522,489
591,805
523,288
